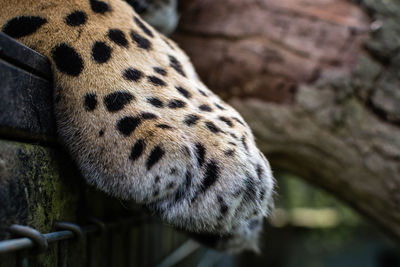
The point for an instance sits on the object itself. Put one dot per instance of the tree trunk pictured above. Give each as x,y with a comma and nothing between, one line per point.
317,81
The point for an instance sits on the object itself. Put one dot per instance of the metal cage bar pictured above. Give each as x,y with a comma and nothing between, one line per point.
16,244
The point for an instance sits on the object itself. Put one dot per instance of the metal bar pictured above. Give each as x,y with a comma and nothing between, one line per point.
180,253
24,243
16,244
59,236
73,227
37,237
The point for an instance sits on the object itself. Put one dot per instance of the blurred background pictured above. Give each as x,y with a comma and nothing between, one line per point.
311,228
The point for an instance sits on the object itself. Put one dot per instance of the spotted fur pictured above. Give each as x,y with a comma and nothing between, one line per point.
138,121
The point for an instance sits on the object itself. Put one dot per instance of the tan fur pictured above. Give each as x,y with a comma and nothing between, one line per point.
104,161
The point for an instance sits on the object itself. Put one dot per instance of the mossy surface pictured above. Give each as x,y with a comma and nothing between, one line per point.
34,186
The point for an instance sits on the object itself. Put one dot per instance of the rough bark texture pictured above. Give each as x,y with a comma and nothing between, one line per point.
318,81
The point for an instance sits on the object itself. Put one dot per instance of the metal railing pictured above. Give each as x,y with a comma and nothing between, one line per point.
29,238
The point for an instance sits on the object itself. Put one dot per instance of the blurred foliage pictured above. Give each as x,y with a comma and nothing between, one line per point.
352,241
297,193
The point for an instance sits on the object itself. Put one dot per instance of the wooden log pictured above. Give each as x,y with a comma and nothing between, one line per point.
318,83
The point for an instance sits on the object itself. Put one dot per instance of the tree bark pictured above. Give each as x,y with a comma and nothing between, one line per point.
318,82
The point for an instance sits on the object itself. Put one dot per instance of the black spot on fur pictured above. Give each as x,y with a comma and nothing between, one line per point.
237,193
168,43
176,103
163,126
23,26
202,92
157,179
223,208
262,194
229,152
156,81
155,102
118,37
187,151
176,65
117,100
170,185
211,175
205,107
132,74
148,116
67,60
101,132
239,121
200,153
160,71
234,136
90,101
260,171
99,6
155,155
141,41
191,119
137,150
101,52
128,124
141,25
156,192
183,91
219,106
250,192
76,18
185,187
212,127
226,120
243,140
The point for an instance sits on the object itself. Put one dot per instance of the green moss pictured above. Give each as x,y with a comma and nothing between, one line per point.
48,197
